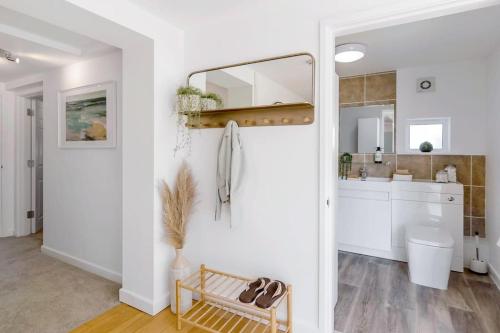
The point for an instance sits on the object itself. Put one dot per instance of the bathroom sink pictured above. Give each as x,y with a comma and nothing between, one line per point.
372,179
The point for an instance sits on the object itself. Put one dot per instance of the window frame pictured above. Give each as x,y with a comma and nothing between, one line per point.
444,121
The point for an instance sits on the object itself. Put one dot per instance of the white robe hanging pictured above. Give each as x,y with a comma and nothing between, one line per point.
229,174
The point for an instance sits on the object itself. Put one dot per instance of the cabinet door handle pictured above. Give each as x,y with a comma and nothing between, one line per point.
451,199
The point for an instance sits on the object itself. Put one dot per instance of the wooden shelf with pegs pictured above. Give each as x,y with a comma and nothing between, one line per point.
270,115
219,311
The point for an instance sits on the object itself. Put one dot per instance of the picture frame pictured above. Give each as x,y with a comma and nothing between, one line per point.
87,116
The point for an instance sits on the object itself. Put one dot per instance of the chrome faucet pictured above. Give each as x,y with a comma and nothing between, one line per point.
363,173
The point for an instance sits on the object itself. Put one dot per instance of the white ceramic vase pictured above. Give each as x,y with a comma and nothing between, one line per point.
179,270
188,103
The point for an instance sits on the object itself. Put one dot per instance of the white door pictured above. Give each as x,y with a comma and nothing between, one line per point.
35,163
37,173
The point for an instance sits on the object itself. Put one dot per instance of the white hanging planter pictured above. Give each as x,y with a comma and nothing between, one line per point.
188,103
208,104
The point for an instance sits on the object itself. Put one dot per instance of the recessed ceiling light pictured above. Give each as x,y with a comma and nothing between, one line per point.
9,56
349,52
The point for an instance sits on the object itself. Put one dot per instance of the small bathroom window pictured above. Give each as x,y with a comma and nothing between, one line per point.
433,130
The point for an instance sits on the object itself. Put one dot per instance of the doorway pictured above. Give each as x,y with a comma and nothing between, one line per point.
35,164
29,161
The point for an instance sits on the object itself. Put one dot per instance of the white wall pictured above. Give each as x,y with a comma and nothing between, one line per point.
493,163
7,159
460,94
83,187
279,235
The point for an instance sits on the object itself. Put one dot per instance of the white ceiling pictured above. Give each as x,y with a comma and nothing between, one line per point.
187,14
41,46
469,35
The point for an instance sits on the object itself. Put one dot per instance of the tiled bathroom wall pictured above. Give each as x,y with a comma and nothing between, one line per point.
369,89
471,172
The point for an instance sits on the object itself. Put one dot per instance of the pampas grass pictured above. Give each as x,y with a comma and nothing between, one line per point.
178,205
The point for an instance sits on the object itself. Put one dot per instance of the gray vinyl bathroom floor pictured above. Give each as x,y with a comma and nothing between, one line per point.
375,295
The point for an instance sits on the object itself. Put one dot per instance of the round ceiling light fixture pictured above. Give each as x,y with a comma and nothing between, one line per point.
349,52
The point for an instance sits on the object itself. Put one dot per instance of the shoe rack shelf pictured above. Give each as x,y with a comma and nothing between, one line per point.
220,311
270,115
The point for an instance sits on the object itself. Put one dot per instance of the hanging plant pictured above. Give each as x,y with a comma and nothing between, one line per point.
211,101
188,108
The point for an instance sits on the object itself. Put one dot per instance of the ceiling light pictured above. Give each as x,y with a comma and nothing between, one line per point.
9,56
349,52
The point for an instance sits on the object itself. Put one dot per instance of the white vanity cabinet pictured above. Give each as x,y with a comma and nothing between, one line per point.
373,215
365,215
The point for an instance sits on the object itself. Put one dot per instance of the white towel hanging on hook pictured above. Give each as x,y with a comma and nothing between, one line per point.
229,174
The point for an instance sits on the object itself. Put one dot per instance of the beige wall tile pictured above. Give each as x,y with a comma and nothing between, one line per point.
352,90
479,170
478,225
467,201
462,162
478,201
381,86
385,169
418,165
467,226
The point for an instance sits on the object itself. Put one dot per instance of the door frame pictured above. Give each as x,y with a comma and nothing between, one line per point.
330,28
23,200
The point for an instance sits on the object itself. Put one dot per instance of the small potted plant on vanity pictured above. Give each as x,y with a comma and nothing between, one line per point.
210,101
177,208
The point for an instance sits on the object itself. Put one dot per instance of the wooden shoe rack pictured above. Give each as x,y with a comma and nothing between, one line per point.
220,311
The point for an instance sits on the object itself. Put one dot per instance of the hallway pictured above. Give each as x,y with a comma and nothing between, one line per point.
41,294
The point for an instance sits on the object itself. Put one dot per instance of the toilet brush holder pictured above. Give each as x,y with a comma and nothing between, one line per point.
479,266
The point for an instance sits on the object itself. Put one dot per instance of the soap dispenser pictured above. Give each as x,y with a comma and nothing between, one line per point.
378,156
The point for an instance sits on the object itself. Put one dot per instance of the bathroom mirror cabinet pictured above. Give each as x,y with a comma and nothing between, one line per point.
269,82
364,128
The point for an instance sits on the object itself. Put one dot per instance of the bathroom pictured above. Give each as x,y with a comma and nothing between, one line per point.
416,210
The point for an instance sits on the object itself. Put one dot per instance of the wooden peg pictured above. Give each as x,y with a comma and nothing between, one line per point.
285,120
307,119
266,121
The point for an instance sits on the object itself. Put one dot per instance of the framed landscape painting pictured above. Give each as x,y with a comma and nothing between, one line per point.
87,117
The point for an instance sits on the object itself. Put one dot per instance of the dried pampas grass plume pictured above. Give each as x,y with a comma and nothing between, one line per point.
178,205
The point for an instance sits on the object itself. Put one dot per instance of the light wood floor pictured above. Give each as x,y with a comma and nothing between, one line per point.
124,318
375,295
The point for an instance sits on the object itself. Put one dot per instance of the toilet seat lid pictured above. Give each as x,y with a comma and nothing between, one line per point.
430,236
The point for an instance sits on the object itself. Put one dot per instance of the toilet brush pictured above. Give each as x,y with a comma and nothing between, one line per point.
476,265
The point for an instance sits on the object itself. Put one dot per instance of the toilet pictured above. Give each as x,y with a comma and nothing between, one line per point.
430,251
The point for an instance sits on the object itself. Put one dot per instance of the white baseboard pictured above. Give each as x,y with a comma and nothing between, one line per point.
161,303
495,276
137,301
83,264
142,303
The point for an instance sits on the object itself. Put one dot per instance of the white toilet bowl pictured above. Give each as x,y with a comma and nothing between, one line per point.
430,250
